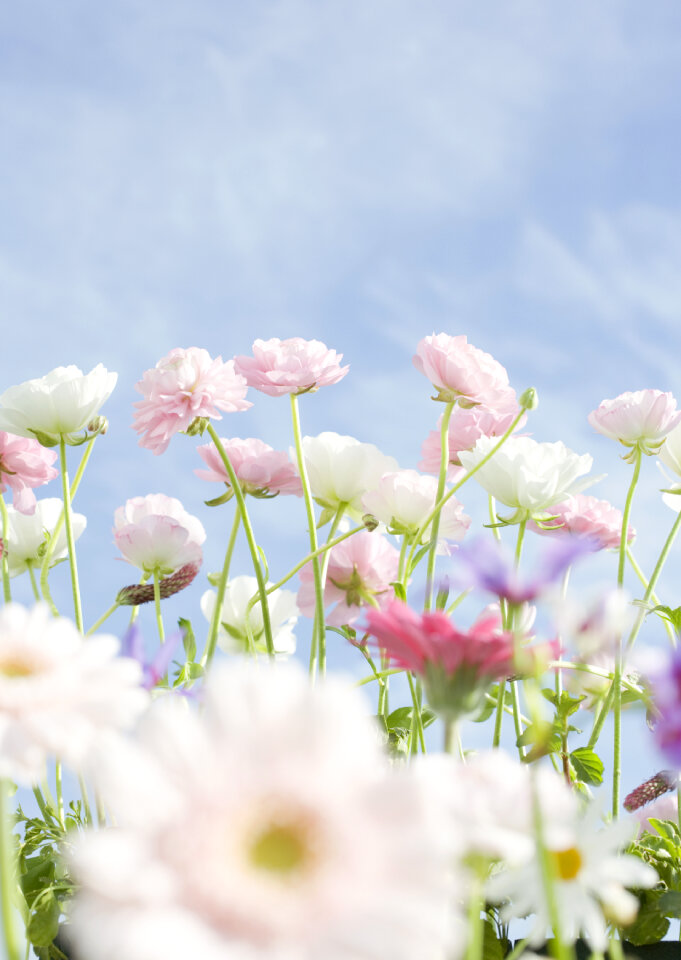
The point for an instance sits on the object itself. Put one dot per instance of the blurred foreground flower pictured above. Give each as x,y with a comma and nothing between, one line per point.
156,534
269,826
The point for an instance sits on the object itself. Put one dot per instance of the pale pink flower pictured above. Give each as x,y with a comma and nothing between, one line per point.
404,498
268,826
155,533
456,665
460,372
58,691
260,469
24,464
359,568
290,366
640,419
586,516
184,385
466,426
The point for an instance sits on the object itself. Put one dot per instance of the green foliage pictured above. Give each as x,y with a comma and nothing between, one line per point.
492,947
188,638
662,850
587,765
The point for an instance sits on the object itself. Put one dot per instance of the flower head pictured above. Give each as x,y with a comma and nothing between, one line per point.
295,366
361,569
664,674
24,465
261,470
60,404
526,475
27,535
58,691
184,385
640,419
460,372
269,825
466,426
586,516
156,534
233,632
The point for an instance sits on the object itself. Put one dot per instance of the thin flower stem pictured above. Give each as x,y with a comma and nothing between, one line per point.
600,719
6,589
501,693
416,737
68,520
157,606
402,575
318,659
377,675
7,874
617,678
476,903
671,633
326,556
518,949
34,583
509,710
652,583
492,505
86,801
105,616
222,586
248,530
457,486
435,528
135,610
59,794
318,553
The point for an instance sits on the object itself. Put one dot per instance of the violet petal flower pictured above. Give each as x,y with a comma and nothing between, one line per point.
155,669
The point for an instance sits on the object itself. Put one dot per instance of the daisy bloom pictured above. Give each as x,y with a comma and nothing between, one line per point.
27,535
585,516
184,385
156,534
294,366
233,633
261,470
361,570
58,691
270,825
528,476
403,499
60,404
24,465
640,419
456,666
460,372
341,470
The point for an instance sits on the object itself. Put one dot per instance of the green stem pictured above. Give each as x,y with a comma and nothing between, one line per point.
435,528
476,903
7,874
318,627
250,538
557,947
157,606
416,738
34,584
6,589
653,596
222,586
86,802
59,794
68,520
501,692
326,557
652,583
104,617
600,719
310,556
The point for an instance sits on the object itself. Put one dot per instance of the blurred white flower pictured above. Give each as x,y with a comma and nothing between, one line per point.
27,534
62,403
270,825
58,691
233,635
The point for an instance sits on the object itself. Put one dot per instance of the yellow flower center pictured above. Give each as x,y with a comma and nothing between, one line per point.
566,863
280,848
17,666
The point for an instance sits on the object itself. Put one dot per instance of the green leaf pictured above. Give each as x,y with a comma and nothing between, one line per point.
492,947
418,557
670,904
650,925
327,514
37,873
588,765
43,925
188,638
399,590
218,501
666,828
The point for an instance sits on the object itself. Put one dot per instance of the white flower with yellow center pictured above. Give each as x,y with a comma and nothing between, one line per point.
270,825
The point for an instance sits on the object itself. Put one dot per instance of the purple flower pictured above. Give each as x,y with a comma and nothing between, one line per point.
132,645
665,681
484,564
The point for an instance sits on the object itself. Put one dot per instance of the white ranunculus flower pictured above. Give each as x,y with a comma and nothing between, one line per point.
528,476
270,825
59,691
233,636
62,403
341,470
27,534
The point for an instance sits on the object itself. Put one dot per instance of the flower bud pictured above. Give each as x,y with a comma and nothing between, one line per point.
138,593
529,399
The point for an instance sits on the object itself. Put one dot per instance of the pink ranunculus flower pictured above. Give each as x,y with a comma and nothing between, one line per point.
404,498
24,465
156,534
456,665
586,516
460,372
290,366
261,470
184,385
466,426
361,567
640,419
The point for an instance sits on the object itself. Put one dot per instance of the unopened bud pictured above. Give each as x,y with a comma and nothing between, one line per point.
98,426
139,593
369,521
197,426
529,399
651,789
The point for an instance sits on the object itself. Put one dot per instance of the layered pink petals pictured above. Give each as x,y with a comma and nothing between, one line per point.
156,534
403,500
290,366
259,468
466,426
184,385
459,371
361,568
586,516
642,418
24,465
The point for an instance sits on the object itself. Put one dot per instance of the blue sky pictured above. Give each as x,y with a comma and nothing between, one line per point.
364,172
